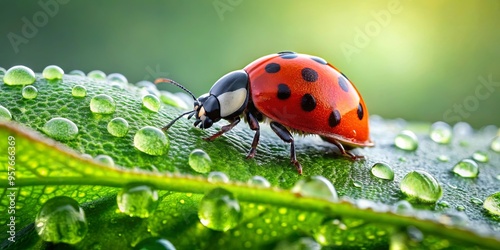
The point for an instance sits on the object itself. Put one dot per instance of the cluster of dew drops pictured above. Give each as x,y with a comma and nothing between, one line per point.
219,209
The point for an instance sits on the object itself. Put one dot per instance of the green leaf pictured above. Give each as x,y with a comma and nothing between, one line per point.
365,216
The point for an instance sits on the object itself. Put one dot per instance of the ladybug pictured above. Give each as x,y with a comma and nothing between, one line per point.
295,93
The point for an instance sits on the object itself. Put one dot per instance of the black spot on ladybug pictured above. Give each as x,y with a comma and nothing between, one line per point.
308,103
319,60
343,83
272,68
286,52
288,56
284,91
334,118
309,74
361,113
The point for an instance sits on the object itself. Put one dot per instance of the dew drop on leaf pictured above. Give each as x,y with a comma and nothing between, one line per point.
154,243
492,204
495,144
443,204
357,184
317,187
466,168
382,171
76,72
460,208
79,91
102,104
5,114
105,159
53,72
476,201
441,132
217,177
61,219
421,186
219,210
259,181
480,156
200,161
406,140
402,207
443,158
19,75
151,140
29,92
2,71
97,74
60,129
137,200
117,78
118,127
151,102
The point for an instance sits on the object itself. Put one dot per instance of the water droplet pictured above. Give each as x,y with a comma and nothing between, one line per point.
2,71
137,200
19,75
462,128
215,177
97,74
76,72
200,161
5,114
480,156
259,181
317,187
117,78
60,129
118,127
105,159
460,208
382,171
441,132
102,104
61,219
476,201
443,158
52,72
29,92
151,102
151,141
495,144
79,91
406,140
154,243
421,186
492,204
219,210
173,100
443,204
403,207
466,168
357,184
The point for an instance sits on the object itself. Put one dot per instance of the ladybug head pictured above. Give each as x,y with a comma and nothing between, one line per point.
207,111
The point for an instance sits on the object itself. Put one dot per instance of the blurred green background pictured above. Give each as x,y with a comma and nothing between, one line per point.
418,60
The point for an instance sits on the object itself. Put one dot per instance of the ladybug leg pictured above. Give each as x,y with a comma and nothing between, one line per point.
253,123
223,130
347,153
286,136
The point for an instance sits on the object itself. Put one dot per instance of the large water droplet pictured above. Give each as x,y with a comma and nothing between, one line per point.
216,177
61,219
406,140
492,204
79,91
151,102
97,74
76,72
102,104
151,141
421,186
219,210
466,168
117,78
382,171
5,114
105,159
259,181
52,72
495,144
60,129
19,75
200,161
317,187
29,92
137,200
118,127
480,156
441,132
154,243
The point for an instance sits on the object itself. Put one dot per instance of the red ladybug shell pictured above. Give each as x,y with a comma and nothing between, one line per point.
309,95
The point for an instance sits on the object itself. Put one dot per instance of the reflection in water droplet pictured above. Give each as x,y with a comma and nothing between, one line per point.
118,127
317,187
79,91
60,129
200,161
466,168
406,140
137,200
5,114
382,171
441,132
29,92
19,75
492,204
151,141
61,219
52,72
102,104
421,186
151,102
219,210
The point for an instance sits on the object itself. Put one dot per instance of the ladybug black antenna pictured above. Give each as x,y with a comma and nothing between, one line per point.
179,117
166,80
